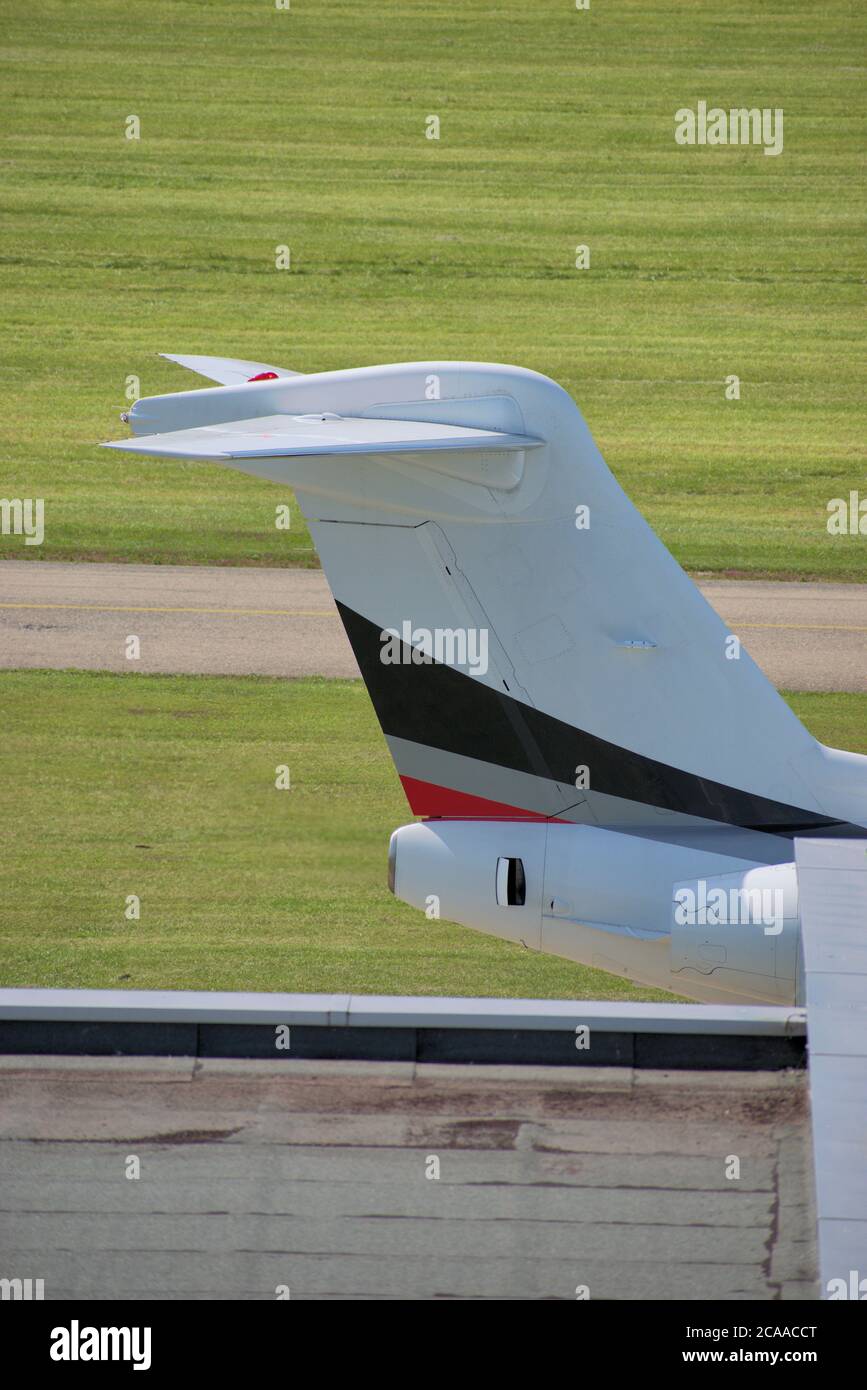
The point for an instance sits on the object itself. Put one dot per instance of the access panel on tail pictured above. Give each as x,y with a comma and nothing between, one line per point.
535,656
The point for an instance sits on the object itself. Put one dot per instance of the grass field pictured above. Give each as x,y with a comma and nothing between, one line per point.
163,787
306,128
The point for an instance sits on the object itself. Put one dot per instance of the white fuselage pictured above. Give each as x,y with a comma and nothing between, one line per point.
693,920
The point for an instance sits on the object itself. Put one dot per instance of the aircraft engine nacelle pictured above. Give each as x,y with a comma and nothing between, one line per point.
455,869
695,921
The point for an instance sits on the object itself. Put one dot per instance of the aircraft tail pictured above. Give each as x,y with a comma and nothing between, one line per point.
531,648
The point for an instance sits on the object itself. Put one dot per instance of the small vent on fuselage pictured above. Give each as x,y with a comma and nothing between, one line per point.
511,883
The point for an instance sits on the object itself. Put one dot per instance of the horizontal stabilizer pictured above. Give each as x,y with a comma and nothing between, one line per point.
228,371
276,436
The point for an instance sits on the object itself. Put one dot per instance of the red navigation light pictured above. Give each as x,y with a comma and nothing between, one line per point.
264,376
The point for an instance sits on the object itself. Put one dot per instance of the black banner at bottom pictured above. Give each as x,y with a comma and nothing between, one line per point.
225,1337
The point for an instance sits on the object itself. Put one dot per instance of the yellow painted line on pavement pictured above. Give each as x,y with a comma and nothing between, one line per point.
325,613
805,627
117,608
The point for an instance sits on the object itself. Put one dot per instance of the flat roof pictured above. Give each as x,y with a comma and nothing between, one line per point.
403,1181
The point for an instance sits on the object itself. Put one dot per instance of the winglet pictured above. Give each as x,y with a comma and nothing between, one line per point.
228,371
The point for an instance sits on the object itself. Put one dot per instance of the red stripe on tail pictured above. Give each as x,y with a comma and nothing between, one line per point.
443,803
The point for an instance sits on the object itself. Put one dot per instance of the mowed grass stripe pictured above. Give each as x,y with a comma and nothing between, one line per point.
164,787
306,128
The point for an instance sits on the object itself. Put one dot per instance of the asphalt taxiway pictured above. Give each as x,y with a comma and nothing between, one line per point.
283,622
